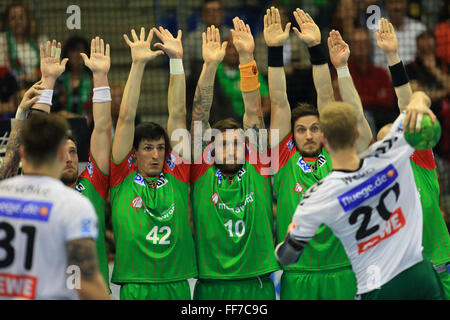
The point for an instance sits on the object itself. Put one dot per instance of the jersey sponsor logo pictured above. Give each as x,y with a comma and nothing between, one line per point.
321,160
215,198
290,144
369,188
165,215
240,173
130,161
137,203
161,181
139,180
349,179
392,226
171,162
302,164
248,199
219,176
80,187
17,286
86,227
90,168
298,188
25,209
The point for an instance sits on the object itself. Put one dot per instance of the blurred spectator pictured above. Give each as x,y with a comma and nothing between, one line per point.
8,90
73,89
295,51
211,14
372,83
19,49
228,101
442,34
406,29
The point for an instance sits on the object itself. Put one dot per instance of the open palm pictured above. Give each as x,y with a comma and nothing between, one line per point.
242,37
212,50
171,46
386,38
310,32
99,61
140,48
339,50
273,32
51,67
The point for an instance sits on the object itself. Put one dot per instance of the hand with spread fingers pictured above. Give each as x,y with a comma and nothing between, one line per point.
310,32
243,40
212,50
171,46
386,38
339,50
51,66
140,47
99,62
273,32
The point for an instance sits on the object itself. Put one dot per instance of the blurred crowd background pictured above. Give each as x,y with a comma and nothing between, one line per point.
422,27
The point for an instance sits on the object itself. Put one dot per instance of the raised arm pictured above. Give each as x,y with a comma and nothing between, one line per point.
10,165
213,52
245,46
51,69
387,41
99,63
310,34
83,253
339,54
176,99
140,54
275,37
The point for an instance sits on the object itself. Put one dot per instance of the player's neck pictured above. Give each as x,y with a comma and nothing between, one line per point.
345,159
50,171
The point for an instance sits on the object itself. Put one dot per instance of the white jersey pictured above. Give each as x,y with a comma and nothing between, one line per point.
38,216
375,211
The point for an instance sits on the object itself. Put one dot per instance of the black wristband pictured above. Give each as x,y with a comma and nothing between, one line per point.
317,54
398,74
35,111
275,56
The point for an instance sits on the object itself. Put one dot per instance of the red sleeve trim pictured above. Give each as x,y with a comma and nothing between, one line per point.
118,172
424,159
202,164
283,152
93,174
178,167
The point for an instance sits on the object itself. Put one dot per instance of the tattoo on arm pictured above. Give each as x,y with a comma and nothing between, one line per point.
83,253
10,166
200,112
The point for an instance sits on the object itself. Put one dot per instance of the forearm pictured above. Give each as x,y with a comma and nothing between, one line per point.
176,101
130,99
10,166
323,85
400,80
48,83
94,289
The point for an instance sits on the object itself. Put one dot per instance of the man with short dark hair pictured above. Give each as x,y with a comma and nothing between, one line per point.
385,245
58,226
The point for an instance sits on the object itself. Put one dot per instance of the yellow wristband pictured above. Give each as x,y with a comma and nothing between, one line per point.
249,77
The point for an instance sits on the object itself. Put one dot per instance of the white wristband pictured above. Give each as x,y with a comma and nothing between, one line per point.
176,66
343,72
22,114
101,94
46,97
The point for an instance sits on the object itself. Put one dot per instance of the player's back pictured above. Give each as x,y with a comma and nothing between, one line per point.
38,216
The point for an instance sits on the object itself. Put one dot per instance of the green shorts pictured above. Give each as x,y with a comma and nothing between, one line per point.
419,282
445,281
257,288
178,290
336,284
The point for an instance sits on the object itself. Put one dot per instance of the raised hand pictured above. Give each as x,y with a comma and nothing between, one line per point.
339,50
310,31
140,48
212,50
31,96
417,107
51,66
243,40
386,38
273,32
171,46
99,61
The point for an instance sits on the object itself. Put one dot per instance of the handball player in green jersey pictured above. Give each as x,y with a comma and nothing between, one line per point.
435,239
149,184
324,270
231,189
94,181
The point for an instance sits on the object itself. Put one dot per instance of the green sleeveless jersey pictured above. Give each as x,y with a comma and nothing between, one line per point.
233,221
151,226
435,239
93,184
294,176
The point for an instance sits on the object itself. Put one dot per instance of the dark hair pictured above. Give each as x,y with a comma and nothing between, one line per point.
228,123
71,44
150,131
42,135
31,29
208,1
425,34
302,110
71,136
